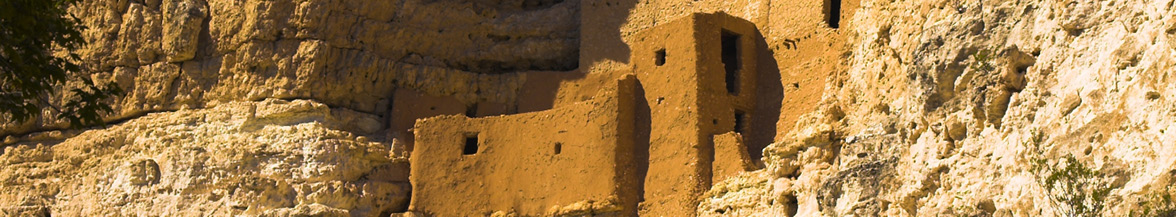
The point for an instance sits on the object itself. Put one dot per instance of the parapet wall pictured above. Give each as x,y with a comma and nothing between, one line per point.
408,106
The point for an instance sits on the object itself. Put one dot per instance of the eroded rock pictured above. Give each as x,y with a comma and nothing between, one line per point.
269,158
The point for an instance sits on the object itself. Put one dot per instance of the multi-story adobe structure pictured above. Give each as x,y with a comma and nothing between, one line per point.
650,142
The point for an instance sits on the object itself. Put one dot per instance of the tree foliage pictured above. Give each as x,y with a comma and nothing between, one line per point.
37,43
1073,188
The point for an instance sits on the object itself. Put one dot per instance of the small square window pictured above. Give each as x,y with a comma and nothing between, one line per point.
471,145
472,110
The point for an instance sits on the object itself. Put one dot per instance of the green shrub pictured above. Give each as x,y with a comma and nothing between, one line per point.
982,60
1159,205
1073,188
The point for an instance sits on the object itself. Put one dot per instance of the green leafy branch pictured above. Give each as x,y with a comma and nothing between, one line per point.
1073,188
31,31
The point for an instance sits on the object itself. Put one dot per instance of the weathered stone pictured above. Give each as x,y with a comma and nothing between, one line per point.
270,158
899,82
182,20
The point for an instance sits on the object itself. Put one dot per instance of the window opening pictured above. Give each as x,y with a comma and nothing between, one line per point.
661,57
833,13
731,61
472,110
740,121
471,145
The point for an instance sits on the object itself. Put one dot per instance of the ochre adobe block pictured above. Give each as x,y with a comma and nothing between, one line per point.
730,156
690,102
515,167
408,106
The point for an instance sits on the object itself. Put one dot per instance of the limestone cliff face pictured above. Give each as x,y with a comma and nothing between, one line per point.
185,54
973,107
272,157
908,108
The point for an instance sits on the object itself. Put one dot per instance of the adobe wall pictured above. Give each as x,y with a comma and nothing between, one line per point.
732,157
516,166
809,52
544,90
799,43
676,148
687,115
689,103
408,106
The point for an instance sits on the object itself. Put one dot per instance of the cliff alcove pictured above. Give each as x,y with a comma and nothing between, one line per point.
611,108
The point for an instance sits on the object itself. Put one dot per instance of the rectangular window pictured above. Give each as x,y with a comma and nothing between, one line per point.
660,57
731,61
472,110
740,121
833,13
471,145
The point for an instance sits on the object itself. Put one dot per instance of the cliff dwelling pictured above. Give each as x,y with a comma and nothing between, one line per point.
378,108
412,108
653,138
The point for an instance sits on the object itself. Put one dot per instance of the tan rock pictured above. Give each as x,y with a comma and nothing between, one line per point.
270,158
182,20
879,87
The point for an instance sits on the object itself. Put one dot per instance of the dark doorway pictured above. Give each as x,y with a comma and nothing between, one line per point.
740,121
833,13
472,110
